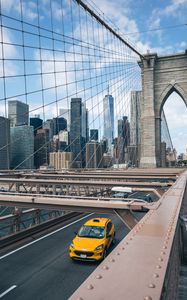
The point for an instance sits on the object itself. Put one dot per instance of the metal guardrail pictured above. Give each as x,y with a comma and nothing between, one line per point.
22,219
6,241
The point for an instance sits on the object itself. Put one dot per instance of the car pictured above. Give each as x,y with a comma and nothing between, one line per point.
120,195
148,198
93,240
120,192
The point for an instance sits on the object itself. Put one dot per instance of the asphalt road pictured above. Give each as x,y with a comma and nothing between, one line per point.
43,269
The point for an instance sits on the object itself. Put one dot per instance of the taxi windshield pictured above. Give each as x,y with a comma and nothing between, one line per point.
92,232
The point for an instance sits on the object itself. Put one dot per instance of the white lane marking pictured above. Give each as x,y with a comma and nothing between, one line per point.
43,237
7,291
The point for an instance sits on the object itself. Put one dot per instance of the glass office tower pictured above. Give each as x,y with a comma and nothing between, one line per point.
18,113
22,147
108,108
4,143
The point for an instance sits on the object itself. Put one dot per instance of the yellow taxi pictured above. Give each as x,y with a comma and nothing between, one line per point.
93,240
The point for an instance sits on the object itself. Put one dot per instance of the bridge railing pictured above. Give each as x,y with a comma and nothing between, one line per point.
145,265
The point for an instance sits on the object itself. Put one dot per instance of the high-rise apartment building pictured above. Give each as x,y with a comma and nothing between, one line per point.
22,147
18,113
4,143
61,160
108,108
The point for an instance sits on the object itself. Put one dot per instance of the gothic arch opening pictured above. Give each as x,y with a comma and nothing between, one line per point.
173,127
169,90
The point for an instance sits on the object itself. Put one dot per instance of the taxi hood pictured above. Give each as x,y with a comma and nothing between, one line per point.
87,243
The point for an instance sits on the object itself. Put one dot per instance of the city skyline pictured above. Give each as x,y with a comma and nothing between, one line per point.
52,136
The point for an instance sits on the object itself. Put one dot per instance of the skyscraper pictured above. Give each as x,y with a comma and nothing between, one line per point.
65,113
135,116
76,131
108,108
4,143
94,135
36,122
22,147
93,155
41,147
87,126
60,123
49,124
18,113
84,121
135,113
84,132
123,139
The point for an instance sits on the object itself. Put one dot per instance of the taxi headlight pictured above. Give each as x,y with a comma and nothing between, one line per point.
100,247
72,245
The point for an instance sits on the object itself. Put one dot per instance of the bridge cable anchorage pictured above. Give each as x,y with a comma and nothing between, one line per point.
109,28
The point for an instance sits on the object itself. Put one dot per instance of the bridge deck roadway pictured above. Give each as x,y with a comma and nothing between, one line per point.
136,268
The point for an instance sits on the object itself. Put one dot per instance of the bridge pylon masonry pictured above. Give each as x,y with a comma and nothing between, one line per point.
161,76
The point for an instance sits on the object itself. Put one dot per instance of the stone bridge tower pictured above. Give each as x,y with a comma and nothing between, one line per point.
161,76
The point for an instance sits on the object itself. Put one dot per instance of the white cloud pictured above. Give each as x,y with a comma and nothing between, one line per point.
172,10
174,7
7,51
27,8
8,5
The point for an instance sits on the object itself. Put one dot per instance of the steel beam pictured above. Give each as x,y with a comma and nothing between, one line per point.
101,176
59,183
127,217
81,204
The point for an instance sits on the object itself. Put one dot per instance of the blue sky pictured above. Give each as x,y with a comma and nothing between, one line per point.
144,15
135,20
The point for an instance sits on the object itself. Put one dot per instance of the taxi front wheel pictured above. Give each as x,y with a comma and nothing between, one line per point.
114,239
104,254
